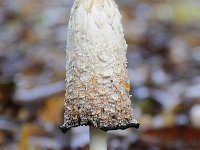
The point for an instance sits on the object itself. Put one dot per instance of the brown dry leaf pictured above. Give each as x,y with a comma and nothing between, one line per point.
30,8
84,148
53,110
29,36
2,137
34,66
23,114
27,131
169,137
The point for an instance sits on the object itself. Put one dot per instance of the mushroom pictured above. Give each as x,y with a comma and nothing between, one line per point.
97,85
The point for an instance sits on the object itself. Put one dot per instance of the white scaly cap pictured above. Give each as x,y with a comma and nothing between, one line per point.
97,85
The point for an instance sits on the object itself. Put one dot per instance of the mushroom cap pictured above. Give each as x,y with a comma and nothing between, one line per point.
97,85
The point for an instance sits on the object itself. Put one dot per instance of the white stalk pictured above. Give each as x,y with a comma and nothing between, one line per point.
98,139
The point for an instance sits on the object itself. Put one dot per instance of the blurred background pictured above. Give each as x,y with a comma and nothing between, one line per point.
164,70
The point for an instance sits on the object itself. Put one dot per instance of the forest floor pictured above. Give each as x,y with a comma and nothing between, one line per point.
164,71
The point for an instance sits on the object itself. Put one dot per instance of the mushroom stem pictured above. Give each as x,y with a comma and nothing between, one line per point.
98,139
